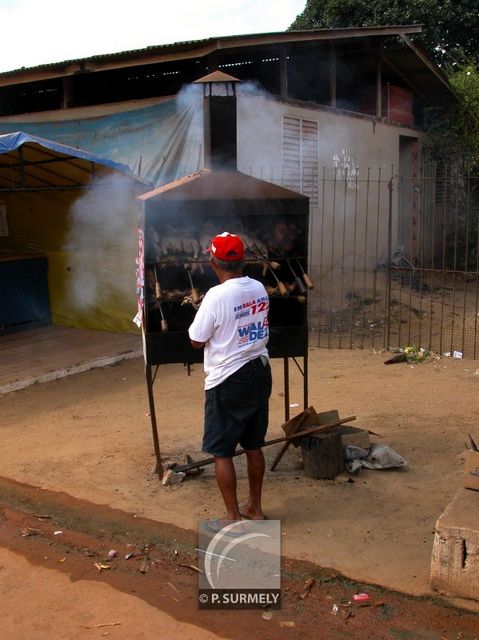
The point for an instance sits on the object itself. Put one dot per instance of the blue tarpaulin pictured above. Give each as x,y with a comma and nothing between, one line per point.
158,143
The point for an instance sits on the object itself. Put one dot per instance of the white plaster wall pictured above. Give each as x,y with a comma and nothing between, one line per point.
349,225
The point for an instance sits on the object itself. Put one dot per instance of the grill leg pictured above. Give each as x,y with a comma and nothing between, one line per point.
305,380
286,388
154,427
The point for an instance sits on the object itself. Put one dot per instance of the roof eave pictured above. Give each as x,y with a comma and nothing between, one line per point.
191,49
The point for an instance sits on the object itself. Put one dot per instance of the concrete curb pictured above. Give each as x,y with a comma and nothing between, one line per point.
69,371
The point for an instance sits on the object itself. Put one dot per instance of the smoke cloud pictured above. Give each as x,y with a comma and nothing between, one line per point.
101,244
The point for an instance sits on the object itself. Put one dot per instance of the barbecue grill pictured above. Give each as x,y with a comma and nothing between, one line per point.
178,222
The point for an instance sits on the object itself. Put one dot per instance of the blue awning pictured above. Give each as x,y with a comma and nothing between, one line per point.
31,162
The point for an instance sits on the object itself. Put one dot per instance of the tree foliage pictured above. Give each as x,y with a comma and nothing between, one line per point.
454,127
450,27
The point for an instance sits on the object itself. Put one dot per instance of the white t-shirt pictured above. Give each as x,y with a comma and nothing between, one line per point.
233,322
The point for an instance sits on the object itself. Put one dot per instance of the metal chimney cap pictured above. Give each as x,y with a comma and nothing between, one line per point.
216,76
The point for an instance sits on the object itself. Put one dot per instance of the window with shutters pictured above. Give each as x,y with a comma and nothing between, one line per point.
300,156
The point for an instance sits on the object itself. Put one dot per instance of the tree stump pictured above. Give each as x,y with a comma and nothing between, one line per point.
323,455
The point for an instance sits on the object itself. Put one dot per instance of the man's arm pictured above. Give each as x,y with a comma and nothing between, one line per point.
197,345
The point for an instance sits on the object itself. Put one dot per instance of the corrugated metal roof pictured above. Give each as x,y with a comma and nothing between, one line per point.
407,60
225,42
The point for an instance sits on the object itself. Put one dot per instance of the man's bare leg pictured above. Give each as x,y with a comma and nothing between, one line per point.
226,479
256,465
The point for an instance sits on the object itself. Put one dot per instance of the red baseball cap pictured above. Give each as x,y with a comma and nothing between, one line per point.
227,246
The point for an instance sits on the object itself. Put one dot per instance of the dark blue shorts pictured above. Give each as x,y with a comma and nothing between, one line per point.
236,411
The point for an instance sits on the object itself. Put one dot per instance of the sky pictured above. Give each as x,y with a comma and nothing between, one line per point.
36,32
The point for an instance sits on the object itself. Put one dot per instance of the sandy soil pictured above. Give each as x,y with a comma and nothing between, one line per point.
90,436
51,588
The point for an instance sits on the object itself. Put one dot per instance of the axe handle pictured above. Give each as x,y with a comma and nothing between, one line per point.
285,439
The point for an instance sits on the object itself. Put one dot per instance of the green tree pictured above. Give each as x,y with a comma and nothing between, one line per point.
454,128
450,27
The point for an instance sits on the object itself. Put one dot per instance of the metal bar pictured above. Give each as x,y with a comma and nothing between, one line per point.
298,365
430,270
466,263
343,250
443,274
353,284
378,209
321,254
154,426
306,379
455,269
368,183
421,253
411,272
476,307
432,235
304,373
387,332
286,388
331,275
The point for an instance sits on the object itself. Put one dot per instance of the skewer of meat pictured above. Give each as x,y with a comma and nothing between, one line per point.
306,278
282,289
158,292
163,322
297,279
195,296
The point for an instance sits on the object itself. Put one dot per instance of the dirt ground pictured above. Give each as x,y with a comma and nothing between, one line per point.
89,436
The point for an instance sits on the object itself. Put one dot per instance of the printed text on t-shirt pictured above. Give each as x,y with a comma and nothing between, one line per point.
251,307
253,331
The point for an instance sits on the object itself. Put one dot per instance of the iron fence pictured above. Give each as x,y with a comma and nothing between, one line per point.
394,256
396,261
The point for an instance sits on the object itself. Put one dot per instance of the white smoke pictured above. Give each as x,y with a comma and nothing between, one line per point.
101,242
190,96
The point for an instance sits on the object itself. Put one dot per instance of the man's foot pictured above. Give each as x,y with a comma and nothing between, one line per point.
228,527
251,514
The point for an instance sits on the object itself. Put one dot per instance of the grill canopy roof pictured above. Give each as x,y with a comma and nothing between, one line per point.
220,185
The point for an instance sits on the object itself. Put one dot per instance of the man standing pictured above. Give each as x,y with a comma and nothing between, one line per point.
232,325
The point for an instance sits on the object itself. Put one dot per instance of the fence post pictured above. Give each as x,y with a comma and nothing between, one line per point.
387,333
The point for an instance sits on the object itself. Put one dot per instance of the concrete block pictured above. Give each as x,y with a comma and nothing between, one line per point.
455,554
